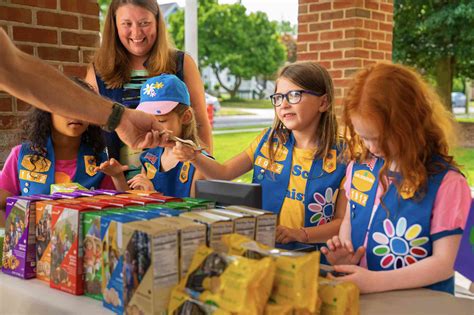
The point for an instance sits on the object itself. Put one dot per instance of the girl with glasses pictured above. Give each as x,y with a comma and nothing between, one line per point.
296,160
408,200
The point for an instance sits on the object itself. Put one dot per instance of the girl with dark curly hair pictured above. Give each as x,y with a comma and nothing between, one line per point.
56,149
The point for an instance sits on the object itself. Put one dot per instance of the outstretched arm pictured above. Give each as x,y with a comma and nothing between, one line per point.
211,169
35,82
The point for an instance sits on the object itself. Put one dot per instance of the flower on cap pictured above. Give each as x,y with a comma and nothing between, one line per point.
149,90
159,85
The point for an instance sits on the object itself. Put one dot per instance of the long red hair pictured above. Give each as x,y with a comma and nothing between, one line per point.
414,125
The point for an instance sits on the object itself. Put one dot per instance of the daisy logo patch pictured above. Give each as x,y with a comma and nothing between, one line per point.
323,207
399,246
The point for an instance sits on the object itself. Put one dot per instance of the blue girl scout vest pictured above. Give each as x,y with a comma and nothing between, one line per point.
130,99
176,182
37,178
322,185
402,238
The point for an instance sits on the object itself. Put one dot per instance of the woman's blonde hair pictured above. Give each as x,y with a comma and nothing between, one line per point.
111,60
309,76
414,125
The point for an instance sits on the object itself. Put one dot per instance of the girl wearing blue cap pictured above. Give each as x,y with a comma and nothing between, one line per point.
166,97
295,161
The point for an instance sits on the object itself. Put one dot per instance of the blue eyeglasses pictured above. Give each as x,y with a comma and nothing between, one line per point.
293,97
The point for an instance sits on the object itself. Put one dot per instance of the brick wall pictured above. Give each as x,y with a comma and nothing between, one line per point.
62,32
345,36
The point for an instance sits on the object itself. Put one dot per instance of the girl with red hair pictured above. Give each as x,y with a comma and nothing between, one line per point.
408,199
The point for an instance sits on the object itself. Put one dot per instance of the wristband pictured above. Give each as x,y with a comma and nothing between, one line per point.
114,118
306,235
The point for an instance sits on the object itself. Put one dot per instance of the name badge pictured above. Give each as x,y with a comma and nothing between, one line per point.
359,197
264,163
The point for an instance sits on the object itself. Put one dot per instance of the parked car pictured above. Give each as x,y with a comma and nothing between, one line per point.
214,101
458,99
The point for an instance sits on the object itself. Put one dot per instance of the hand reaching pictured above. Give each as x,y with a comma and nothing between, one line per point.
184,153
141,182
140,130
286,235
111,168
342,253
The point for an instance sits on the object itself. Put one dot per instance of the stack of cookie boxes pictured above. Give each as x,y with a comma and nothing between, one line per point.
126,249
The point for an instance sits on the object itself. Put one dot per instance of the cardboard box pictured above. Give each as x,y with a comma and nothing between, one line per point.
139,200
93,251
191,236
266,222
43,237
112,259
150,267
67,273
209,204
19,256
217,226
244,224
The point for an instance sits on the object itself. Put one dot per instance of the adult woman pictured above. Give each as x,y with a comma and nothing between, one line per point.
134,47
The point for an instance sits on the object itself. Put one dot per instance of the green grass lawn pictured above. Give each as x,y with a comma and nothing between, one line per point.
465,158
265,103
228,145
226,111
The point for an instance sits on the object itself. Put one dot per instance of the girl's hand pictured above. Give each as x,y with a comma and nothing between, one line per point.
286,235
111,168
339,253
366,280
184,153
141,182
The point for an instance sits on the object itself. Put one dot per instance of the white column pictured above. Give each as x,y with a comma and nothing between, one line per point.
191,28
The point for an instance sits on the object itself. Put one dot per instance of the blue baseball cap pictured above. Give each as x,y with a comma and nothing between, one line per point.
160,95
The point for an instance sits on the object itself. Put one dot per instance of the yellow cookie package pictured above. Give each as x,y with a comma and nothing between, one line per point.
232,283
338,298
295,288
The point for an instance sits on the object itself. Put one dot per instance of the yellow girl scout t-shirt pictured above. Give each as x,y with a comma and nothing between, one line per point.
292,210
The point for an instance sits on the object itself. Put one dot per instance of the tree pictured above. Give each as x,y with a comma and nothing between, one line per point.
436,37
245,45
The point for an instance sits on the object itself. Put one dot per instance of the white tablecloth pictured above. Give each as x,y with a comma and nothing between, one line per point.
35,297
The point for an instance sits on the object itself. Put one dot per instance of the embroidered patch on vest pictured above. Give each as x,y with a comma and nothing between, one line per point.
407,192
363,180
359,197
399,246
280,155
150,170
151,157
370,164
329,162
90,165
264,163
323,207
33,176
42,165
184,174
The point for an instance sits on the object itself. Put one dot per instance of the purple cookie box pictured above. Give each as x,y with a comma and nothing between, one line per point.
24,250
